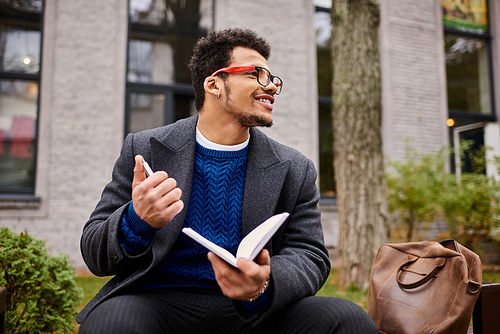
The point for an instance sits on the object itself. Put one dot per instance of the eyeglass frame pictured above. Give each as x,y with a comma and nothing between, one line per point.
270,77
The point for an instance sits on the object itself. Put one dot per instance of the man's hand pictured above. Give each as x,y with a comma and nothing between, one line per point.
247,280
157,199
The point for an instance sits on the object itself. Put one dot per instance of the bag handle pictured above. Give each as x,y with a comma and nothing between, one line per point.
439,262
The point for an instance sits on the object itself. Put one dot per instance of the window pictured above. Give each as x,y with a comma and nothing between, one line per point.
20,62
162,35
322,25
467,42
468,74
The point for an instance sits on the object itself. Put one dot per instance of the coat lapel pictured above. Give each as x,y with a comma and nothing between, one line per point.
266,173
174,154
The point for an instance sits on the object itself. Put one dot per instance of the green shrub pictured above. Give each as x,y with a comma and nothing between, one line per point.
414,188
42,291
420,190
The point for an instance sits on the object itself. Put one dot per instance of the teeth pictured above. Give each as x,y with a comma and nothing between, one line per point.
264,100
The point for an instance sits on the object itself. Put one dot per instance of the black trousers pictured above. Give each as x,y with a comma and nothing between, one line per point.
166,311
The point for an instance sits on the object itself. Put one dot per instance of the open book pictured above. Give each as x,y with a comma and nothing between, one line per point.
250,246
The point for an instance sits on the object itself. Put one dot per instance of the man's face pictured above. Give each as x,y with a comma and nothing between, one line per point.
245,99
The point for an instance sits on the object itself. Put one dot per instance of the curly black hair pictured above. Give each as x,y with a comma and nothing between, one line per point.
215,52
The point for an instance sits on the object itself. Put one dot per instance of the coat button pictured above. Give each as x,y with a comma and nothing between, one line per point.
114,257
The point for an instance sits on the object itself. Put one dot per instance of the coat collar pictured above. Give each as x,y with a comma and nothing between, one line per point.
266,172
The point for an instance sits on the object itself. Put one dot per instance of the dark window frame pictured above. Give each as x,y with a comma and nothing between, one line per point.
463,117
140,31
31,20
326,101
487,37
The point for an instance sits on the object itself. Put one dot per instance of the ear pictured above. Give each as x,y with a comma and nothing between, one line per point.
212,86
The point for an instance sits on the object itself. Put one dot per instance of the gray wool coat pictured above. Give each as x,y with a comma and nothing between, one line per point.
279,179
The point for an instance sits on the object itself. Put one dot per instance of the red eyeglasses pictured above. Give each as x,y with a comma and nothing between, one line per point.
264,77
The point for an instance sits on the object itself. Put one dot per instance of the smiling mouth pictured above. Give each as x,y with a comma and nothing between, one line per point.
265,101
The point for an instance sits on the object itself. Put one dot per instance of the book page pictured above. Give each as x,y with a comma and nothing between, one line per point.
221,252
250,246
254,241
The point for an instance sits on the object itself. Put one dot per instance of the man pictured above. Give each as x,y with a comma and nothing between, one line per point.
219,175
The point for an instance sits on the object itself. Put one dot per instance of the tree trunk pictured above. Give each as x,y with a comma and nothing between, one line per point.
358,158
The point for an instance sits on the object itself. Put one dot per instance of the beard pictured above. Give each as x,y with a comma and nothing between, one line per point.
251,120
244,118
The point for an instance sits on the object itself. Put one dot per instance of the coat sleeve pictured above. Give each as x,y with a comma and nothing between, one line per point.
100,247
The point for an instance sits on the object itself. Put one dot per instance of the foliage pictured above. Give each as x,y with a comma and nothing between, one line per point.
414,186
491,276
471,204
421,190
42,292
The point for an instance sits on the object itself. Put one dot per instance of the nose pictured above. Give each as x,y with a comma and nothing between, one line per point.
271,88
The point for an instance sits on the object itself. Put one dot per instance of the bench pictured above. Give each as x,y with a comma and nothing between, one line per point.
3,308
485,318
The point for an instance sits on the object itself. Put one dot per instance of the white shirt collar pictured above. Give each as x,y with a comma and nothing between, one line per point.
200,139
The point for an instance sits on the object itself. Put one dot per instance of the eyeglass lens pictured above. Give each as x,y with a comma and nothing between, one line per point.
264,78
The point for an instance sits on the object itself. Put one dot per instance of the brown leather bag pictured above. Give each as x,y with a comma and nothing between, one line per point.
424,287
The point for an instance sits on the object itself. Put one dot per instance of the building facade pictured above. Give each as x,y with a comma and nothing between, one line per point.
77,76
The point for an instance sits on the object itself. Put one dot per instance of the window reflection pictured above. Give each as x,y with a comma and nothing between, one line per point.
20,62
19,50
147,111
159,12
466,16
323,28
161,41
184,106
33,6
322,25
150,62
468,74
18,112
162,36
326,179
147,12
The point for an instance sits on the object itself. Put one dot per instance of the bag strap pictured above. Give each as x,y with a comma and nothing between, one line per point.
439,262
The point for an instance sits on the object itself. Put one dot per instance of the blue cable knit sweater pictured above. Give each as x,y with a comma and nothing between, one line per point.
215,209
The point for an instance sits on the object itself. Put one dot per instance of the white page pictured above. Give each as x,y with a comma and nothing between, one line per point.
221,252
253,242
250,246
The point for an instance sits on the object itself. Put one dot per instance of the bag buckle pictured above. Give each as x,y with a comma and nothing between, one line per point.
476,287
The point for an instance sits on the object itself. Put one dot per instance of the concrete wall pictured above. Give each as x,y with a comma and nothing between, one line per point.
495,53
414,99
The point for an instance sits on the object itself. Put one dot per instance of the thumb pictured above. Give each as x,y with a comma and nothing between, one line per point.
139,172
263,257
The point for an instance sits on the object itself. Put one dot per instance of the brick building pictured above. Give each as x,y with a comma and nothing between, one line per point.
76,76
